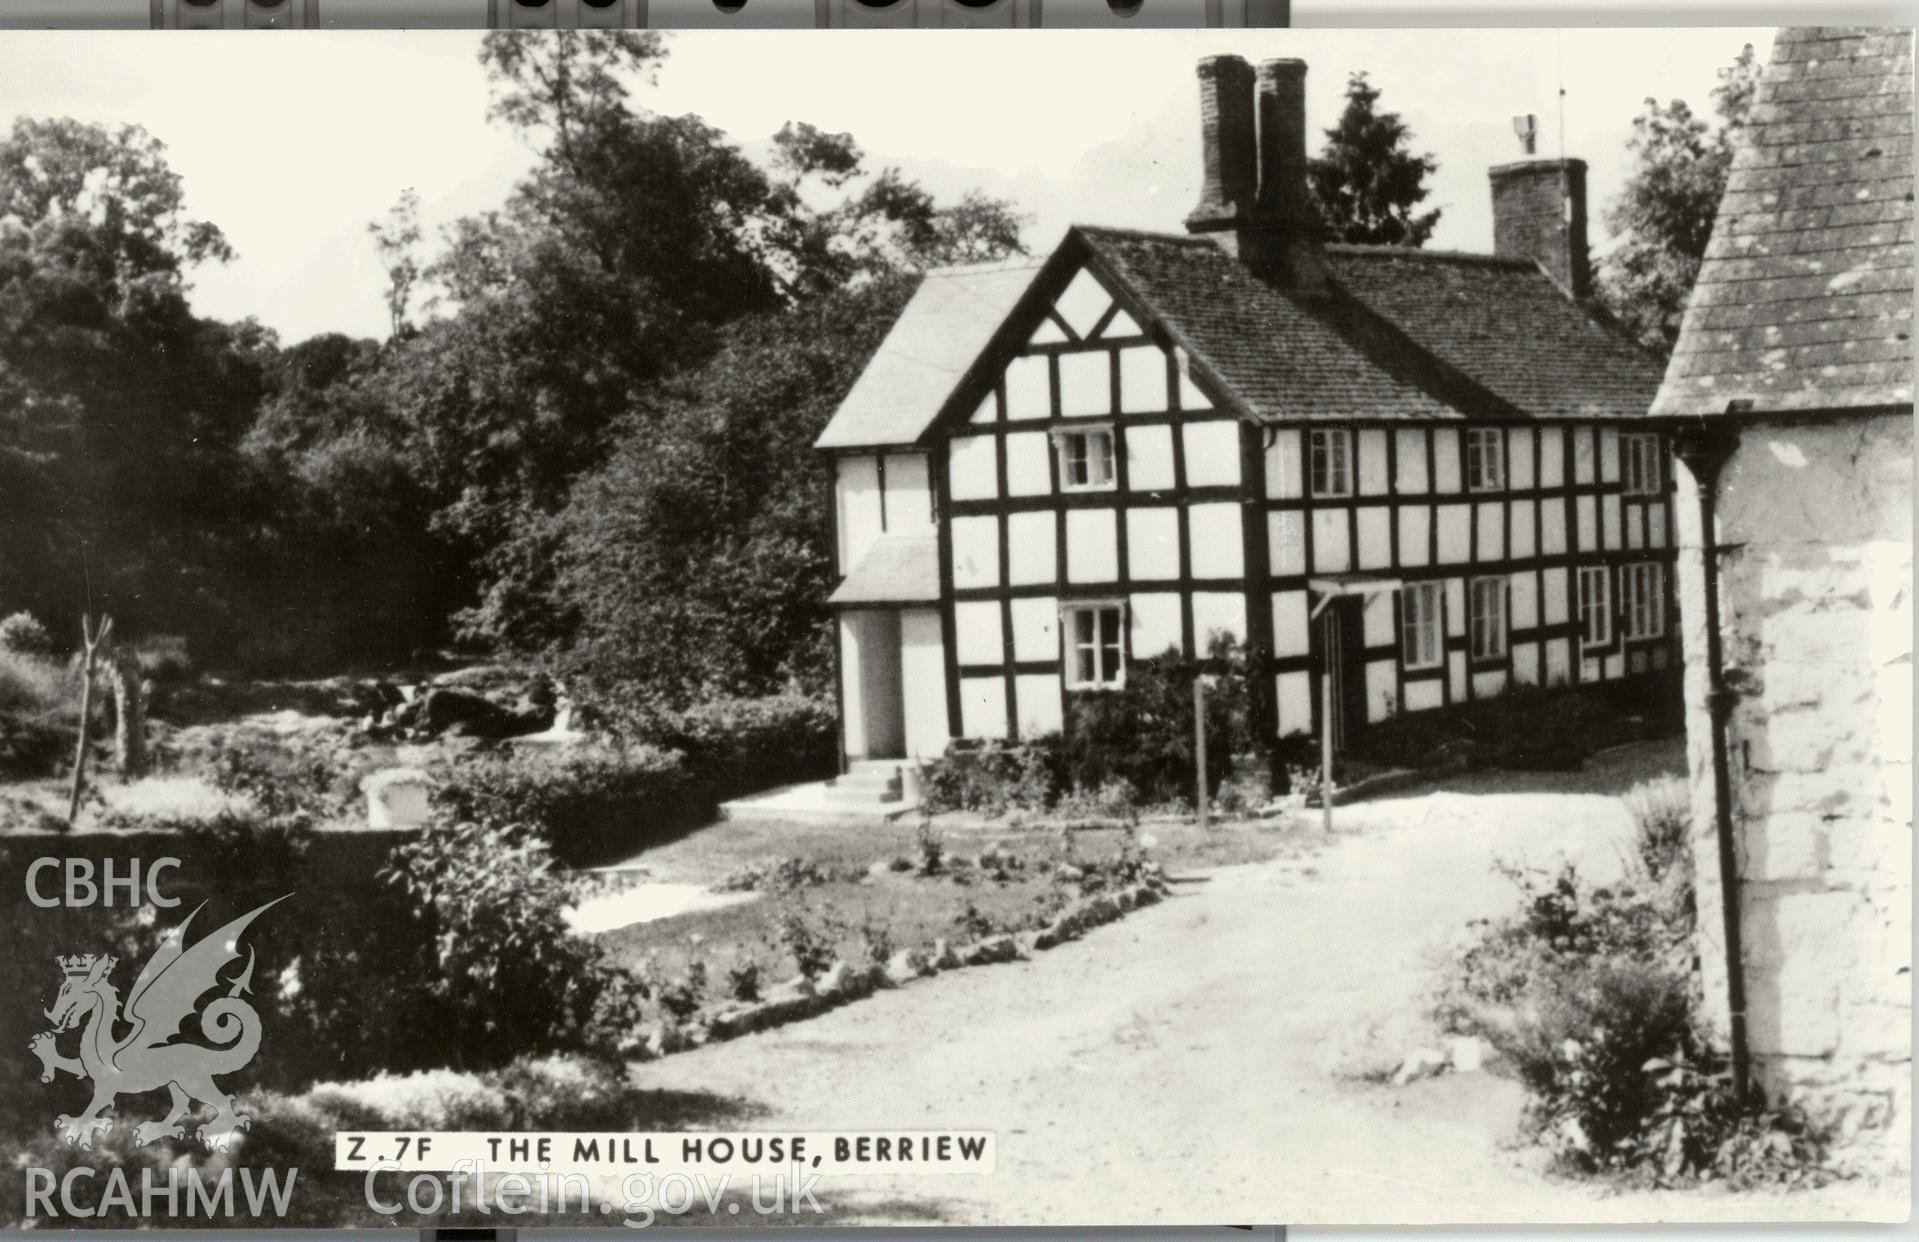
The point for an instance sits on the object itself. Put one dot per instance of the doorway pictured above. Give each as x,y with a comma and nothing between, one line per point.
1342,657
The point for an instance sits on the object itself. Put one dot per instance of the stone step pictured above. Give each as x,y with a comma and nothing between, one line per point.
855,795
879,782
888,767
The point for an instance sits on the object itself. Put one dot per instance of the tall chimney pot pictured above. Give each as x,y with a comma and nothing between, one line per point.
1281,95
1227,145
1539,213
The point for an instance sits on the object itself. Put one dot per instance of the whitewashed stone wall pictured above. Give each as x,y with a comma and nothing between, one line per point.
1815,528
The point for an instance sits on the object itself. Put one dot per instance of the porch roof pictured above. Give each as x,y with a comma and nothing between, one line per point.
897,569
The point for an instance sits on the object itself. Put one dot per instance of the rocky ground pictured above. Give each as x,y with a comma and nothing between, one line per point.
1218,1057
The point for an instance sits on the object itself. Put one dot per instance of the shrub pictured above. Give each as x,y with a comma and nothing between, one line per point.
283,782
810,948
589,803
33,686
992,777
743,980
932,850
31,748
1114,799
1142,732
1662,818
739,745
22,634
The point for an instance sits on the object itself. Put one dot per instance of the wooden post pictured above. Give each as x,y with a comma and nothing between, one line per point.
1199,748
93,642
129,715
1326,726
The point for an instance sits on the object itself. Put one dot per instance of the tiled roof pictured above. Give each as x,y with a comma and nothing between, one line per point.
944,327
1404,334
897,569
1804,301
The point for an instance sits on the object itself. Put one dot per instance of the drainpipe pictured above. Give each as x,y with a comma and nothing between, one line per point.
1705,451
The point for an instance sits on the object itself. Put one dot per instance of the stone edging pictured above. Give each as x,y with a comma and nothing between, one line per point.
842,983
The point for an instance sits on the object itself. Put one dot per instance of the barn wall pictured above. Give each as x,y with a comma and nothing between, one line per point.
1815,529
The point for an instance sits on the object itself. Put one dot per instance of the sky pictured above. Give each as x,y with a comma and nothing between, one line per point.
293,144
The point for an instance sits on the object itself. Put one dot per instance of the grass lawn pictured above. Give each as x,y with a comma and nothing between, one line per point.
901,909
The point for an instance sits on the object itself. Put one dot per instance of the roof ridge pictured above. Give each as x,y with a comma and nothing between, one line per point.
1011,263
1365,251
1113,230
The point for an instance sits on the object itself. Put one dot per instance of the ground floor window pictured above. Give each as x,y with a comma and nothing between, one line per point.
1419,617
1595,606
1486,617
1095,657
1642,590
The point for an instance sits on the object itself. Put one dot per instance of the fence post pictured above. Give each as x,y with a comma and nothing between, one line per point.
1326,731
1199,749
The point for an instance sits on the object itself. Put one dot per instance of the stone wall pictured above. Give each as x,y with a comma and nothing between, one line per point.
1815,529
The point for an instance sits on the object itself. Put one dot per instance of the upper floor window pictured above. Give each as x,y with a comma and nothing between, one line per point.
1642,598
1486,617
1419,621
1595,606
1095,655
1329,463
1644,475
1485,459
1086,460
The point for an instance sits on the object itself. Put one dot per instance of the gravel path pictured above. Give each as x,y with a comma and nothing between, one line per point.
1192,1063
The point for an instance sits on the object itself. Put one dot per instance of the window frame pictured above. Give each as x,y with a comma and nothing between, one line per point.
1643,594
1477,441
1602,574
1640,455
1062,439
1431,618
1071,645
1313,462
1502,588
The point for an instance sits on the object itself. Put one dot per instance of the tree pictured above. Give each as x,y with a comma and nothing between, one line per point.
1368,184
397,238
1663,218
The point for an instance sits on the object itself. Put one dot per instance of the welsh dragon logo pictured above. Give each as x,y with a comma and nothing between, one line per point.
166,993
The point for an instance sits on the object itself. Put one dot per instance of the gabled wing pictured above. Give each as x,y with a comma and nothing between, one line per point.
176,977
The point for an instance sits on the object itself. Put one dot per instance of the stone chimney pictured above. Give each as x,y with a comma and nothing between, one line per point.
1255,202
1539,212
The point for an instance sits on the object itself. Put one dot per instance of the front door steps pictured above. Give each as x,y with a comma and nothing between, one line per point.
871,789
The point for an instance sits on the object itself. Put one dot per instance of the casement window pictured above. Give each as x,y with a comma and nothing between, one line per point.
1486,617
1095,655
1645,475
1642,598
1486,459
1086,460
1329,463
1595,606
1420,625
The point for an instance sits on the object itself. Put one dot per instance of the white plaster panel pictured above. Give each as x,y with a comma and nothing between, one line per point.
1552,526
1029,388
1523,600
1558,662
1029,465
1519,458
1456,675
1609,515
1492,530
1552,457
1656,525
1292,632
1586,534
972,468
1375,537
923,682
1215,613
1555,602
1218,547
983,706
1522,529
1149,457
1038,698
1048,333
1286,541
1409,453
1615,667
1152,543
1371,447
857,490
1032,549
1609,454
1455,607
1036,628
1424,695
1382,689
1285,479
1332,542
1445,459
1455,533
1590,669
1142,380
1633,522
1415,546
1376,620
975,551
909,495
1120,326
1489,683
1190,396
1212,453
1154,619
1583,463
1086,383
978,636
987,411
1526,663
1092,545
1083,302
1294,691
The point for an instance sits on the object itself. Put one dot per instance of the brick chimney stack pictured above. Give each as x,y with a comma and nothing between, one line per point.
1255,202
1539,212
